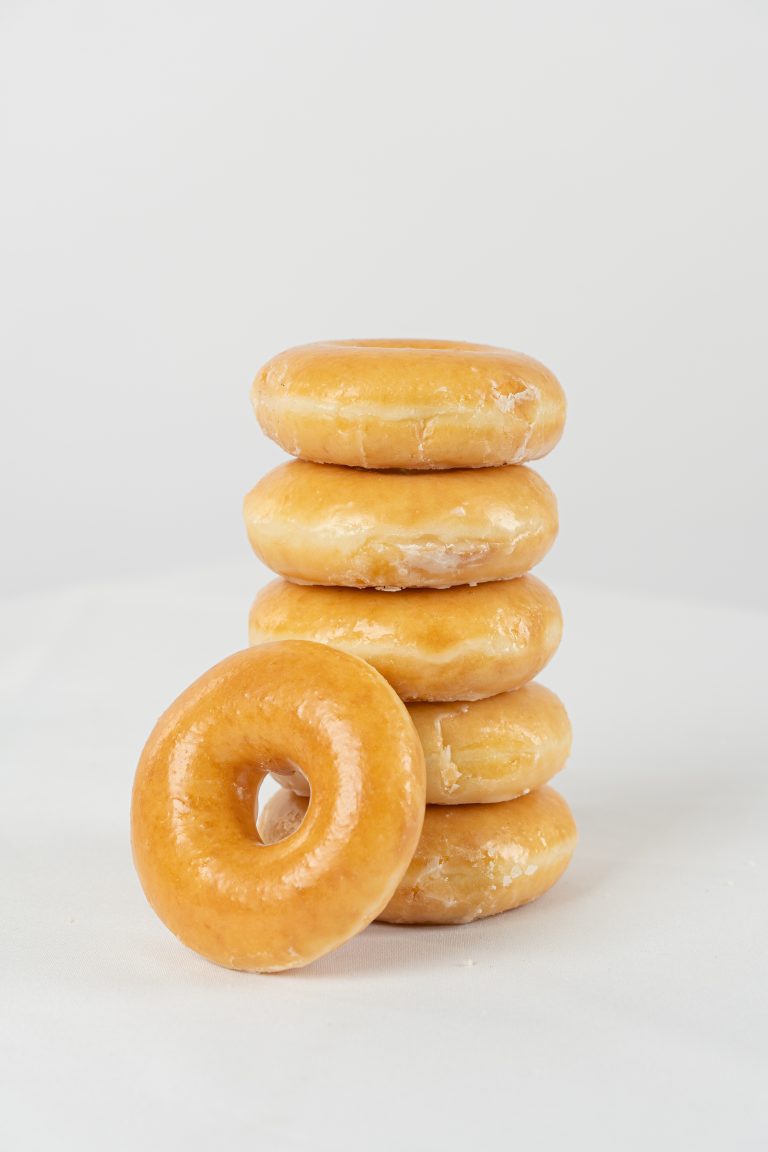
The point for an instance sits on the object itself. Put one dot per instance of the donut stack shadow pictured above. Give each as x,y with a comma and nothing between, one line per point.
404,534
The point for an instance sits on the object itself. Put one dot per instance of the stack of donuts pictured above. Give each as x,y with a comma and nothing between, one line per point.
404,534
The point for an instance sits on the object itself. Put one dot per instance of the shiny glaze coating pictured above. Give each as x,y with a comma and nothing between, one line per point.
201,862
472,861
459,643
326,524
484,751
409,404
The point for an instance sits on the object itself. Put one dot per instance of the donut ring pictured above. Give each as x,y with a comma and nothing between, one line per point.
197,851
472,861
409,404
457,644
325,524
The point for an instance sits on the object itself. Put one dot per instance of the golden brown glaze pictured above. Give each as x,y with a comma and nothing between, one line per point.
202,865
409,404
495,749
325,524
472,860
454,644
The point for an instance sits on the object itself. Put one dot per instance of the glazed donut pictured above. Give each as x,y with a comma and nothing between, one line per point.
409,404
461,643
483,751
197,851
325,524
473,860
494,749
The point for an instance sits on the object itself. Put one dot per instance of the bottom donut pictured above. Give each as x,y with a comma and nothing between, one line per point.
473,860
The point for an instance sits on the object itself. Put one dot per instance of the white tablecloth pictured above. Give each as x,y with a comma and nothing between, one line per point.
626,1009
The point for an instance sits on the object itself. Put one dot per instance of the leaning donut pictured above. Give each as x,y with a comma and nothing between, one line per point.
199,857
409,404
324,524
461,643
472,861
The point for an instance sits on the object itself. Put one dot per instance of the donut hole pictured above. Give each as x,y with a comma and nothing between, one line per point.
269,788
283,778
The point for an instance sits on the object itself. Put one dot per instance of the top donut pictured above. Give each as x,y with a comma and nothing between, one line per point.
414,404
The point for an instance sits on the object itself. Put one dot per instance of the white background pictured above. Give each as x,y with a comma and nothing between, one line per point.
186,189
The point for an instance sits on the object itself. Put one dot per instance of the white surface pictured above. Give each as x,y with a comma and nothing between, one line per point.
189,186
625,1010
